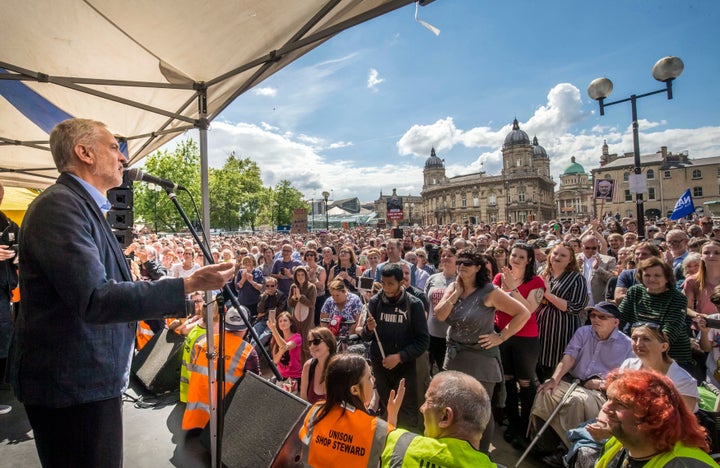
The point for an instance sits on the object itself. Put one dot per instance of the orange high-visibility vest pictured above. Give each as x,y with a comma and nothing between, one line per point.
143,335
349,439
197,410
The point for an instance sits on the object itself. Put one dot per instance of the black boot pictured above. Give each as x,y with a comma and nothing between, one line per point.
512,411
527,396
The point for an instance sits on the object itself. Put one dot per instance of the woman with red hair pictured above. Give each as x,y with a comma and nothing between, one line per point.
649,424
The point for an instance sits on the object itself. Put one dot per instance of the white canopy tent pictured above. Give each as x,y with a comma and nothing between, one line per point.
149,70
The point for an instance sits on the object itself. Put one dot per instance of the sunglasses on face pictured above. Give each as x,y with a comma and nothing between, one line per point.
315,341
466,263
599,316
650,325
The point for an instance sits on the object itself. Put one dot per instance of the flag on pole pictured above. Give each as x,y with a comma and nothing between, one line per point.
684,206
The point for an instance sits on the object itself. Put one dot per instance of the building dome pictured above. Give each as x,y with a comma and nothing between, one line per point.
433,162
538,151
574,168
517,136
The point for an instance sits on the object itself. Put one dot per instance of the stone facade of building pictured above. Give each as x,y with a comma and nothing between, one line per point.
523,191
574,198
668,175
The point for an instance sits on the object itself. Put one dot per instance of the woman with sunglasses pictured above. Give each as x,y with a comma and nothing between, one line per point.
651,345
557,316
699,287
323,347
655,299
339,431
500,254
469,306
519,353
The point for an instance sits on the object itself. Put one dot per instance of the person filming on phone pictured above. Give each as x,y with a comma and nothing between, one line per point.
272,302
71,376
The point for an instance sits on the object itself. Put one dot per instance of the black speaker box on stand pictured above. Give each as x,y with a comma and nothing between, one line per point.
157,365
262,422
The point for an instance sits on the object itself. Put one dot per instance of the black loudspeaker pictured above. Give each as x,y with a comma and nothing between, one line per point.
157,365
262,423
121,216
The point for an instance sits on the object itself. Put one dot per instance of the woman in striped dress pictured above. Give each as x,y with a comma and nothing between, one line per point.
557,316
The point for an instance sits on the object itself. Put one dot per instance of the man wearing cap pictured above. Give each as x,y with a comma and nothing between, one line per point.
593,351
240,356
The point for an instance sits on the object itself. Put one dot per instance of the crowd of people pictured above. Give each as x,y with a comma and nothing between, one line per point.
584,328
524,309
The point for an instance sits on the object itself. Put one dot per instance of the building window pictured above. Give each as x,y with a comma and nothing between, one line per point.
718,171
650,174
651,193
628,195
521,196
666,174
492,200
519,163
626,176
452,202
476,201
463,202
697,174
697,192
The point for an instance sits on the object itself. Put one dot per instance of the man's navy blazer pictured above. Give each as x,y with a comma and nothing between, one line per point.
75,332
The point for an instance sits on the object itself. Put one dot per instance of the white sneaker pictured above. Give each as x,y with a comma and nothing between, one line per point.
4,409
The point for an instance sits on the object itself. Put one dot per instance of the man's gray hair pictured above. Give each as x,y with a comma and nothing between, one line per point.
69,133
467,398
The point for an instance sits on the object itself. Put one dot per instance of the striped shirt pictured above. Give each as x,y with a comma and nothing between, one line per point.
556,327
667,309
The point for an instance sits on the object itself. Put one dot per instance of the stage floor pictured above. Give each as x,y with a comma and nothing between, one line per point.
153,437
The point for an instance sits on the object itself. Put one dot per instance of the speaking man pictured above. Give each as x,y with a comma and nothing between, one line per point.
76,327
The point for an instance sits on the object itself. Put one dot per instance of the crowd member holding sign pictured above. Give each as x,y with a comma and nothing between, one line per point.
339,431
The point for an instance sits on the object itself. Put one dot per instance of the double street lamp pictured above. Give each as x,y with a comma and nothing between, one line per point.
325,195
665,70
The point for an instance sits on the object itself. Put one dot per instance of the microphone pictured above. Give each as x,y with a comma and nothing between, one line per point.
137,175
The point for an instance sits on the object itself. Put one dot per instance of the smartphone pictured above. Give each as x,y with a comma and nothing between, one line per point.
365,283
271,315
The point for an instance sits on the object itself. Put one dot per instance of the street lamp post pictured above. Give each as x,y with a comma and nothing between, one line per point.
665,70
325,195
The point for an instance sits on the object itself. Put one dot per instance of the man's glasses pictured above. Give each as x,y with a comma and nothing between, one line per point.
466,263
676,242
599,316
271,285
498,253
591,248
315,342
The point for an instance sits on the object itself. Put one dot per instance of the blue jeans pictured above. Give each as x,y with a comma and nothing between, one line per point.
263,331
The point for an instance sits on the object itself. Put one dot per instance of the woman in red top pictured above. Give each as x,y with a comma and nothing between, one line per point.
519,353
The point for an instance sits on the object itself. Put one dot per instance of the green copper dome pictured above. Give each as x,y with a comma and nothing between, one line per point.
574,168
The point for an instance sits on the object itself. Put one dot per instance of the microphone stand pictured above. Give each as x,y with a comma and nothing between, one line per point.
216,430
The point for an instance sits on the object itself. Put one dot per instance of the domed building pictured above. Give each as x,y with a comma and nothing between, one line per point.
574,197
523,191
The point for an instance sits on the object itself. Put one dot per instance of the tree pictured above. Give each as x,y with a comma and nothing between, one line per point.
236,192
285,199
152,205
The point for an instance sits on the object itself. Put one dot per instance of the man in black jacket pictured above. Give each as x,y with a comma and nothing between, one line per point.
8,282
397,320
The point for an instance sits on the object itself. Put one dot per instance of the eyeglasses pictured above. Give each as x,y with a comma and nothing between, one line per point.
599,316
271,285
591,248
499,252
466,263
344,252
315,342
676,242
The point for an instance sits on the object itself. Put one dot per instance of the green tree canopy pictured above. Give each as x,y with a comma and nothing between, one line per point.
236,194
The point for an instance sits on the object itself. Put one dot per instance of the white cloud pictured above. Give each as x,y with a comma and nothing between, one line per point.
374,80
265,91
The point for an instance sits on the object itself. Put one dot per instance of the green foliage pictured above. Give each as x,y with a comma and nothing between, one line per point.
152,205
238,199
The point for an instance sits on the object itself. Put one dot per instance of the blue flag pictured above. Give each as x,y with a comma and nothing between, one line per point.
684,206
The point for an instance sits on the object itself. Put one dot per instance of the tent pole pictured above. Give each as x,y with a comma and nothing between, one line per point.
202,125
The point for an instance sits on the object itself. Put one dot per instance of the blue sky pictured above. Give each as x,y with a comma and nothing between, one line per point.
359,114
